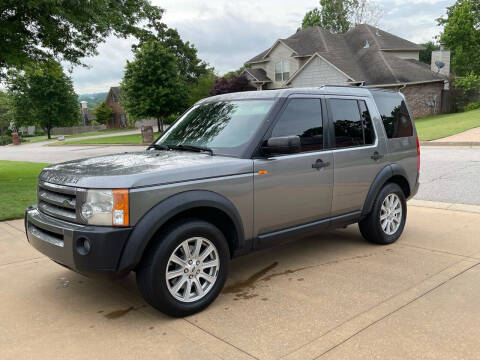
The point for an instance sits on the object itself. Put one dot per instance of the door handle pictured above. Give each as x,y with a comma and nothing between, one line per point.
319,164
376,156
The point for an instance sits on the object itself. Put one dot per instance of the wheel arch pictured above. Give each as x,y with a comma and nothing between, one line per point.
393,173
201,204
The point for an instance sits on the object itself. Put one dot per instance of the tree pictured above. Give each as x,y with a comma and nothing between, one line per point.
190,66
153,85
103,112
426,53
44,96
6,111
461,34
339,16
234,83
333,15
202,87
34,31
366,12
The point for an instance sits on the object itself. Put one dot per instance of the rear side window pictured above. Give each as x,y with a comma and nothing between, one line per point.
302,117
394,113
368,131
352,123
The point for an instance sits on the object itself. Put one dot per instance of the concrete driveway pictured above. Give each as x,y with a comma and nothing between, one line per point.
330,297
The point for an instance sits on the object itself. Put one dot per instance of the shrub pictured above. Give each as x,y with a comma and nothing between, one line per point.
468,88
5,140
472,106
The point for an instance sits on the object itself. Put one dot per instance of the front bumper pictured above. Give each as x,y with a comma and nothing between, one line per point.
64,243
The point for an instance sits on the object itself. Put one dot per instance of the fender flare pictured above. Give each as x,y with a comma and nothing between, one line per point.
382,177
157,216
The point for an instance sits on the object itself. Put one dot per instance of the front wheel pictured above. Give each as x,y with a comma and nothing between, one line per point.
186,269
385,223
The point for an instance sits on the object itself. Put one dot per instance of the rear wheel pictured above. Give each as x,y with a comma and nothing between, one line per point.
187,268
385,223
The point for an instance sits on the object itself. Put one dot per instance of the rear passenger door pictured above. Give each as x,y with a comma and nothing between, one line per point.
359,150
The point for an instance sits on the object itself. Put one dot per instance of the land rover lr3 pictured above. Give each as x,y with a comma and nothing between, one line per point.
235,173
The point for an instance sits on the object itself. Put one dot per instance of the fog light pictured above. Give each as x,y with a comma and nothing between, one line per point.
83,246
86,245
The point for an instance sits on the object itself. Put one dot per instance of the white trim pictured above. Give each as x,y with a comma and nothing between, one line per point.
405,83
275,44
328,62
401,50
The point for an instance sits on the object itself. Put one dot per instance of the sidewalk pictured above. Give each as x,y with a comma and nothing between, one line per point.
467,138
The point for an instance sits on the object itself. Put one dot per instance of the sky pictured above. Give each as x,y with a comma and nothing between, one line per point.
228,33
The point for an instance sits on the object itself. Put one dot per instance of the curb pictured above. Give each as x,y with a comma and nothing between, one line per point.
445,206
450,143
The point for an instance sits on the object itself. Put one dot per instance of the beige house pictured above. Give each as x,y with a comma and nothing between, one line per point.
364,56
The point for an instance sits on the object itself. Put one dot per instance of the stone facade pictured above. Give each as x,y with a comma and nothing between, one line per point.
423,99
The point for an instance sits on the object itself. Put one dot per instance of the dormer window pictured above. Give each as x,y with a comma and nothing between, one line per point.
282,70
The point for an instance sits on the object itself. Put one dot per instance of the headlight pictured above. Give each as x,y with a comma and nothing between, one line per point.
106,207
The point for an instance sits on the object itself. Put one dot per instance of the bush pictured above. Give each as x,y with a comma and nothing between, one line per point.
171,119
5,140
468,88
472,106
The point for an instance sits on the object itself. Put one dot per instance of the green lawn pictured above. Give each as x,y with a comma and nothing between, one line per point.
439,126
18,184
121,139
89,133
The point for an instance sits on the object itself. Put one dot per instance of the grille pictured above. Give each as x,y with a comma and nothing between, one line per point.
57,201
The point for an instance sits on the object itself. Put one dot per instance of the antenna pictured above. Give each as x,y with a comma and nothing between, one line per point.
440,65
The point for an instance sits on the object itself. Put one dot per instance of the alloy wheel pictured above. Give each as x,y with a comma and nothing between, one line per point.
192,269
391,214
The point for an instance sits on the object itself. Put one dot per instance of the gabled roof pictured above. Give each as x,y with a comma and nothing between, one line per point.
259,75
347,52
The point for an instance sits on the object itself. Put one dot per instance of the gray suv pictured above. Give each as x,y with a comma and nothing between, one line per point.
234,174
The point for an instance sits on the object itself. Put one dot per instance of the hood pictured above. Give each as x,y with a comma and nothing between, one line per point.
136,169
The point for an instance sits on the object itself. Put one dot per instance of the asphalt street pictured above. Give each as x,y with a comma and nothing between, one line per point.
450,174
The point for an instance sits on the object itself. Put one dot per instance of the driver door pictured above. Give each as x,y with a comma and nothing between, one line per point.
294,190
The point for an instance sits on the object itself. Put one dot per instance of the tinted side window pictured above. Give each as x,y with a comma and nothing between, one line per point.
394,113
367,123
302,117
347,123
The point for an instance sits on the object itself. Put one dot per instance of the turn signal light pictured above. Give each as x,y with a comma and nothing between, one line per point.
120,213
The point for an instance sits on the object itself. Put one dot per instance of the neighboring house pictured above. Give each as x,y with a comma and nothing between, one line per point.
88,116
364,56
119,118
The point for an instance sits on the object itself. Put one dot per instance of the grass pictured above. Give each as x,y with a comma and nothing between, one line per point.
439,126
111,140
18,184
34,139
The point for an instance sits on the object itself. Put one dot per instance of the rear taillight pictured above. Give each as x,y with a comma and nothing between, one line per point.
418,155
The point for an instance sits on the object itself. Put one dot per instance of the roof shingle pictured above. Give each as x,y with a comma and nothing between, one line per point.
372,65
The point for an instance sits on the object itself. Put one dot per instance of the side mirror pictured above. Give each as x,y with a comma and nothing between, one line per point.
283,145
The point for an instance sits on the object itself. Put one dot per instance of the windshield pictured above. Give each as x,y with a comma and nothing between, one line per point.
224,126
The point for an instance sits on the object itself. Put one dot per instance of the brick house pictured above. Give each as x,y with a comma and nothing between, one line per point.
364,56
119,118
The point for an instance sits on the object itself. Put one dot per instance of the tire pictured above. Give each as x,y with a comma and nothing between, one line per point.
378,231
165,295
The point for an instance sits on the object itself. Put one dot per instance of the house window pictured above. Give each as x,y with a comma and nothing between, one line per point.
282,70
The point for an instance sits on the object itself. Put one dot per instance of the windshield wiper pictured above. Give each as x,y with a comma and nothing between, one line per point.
195,148
159,147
